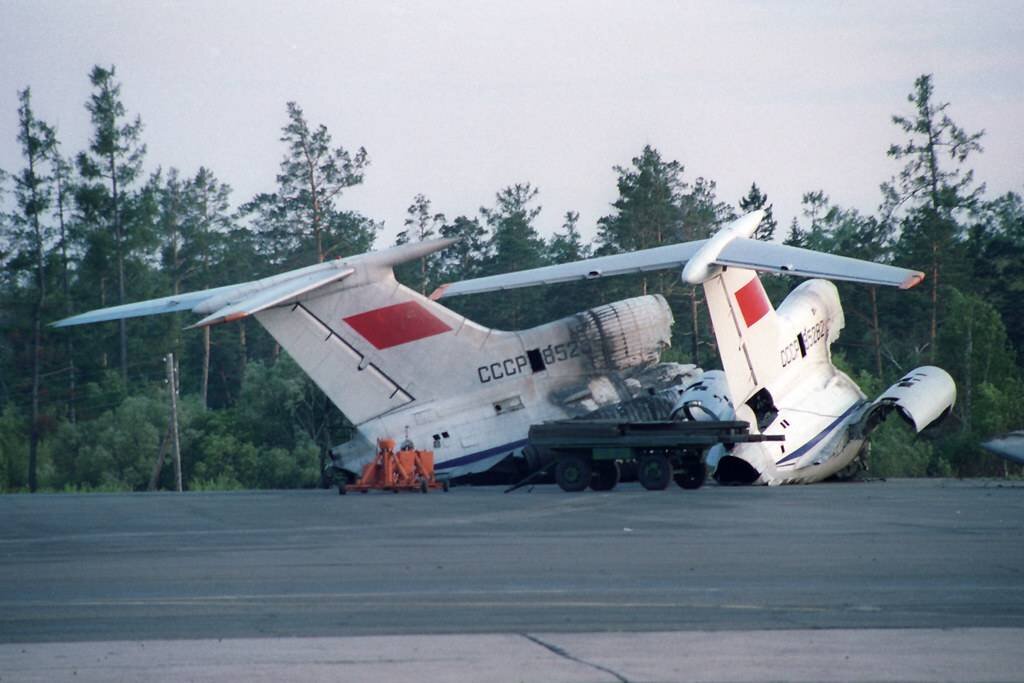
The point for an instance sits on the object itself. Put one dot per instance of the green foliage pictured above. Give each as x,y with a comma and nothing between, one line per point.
647,211
13,450
302,218
515,244
897,452
261,442
754,200
117,448
421,224
222,482
932,137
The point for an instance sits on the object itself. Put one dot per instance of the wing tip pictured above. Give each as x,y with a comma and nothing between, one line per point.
439,292
915,278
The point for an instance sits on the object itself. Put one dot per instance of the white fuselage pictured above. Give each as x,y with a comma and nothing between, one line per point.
815,403
501,383
815,418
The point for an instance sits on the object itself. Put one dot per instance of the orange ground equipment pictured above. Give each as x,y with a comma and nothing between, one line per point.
390,470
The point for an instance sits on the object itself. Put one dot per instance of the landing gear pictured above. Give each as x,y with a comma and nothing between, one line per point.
654,471
573,473
606,475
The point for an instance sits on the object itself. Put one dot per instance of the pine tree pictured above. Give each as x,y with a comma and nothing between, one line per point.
109,169
567,246
647,214
313,175
32,238
515,245
753,201
420,225
934,185
64,190
465,258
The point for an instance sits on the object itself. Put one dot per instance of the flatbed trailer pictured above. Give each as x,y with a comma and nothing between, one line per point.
589,452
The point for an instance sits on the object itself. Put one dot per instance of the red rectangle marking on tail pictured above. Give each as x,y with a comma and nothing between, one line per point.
397,324
753,301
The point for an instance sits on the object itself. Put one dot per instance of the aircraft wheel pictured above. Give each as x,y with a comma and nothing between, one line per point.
341,489
606,475
573,473
691,476
654,471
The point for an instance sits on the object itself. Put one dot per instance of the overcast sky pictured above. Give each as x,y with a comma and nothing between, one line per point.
456,100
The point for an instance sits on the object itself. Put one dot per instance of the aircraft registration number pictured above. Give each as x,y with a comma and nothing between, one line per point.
517,365
804,341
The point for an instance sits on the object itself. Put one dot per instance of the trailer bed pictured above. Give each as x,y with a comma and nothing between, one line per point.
590,452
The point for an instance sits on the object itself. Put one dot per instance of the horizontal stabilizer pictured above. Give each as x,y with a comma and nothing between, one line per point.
167,304
273,296
730,247
658,258
781,258
223,304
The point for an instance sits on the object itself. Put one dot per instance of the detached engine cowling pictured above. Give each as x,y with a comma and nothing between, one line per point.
706,399
923,397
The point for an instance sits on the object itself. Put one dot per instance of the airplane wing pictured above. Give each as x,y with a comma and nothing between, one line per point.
226,303
730,247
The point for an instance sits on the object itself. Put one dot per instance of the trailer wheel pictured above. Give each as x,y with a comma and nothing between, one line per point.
691,476
654,471
606,475
573,473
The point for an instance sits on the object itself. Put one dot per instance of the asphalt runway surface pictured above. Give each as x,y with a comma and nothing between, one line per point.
920,559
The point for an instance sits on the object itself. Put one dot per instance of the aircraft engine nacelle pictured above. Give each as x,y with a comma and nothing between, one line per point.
923,397
624,334
704,400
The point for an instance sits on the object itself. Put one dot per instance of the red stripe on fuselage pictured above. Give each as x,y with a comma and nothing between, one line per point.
397,324
753,301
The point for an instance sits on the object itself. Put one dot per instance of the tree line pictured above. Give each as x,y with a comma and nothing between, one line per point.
85,408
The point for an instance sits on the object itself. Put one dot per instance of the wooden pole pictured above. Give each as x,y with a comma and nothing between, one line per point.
172,382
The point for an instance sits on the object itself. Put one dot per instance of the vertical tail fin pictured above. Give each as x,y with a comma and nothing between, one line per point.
746,329
374,346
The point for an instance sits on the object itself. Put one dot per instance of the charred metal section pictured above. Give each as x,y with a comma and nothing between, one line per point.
625,334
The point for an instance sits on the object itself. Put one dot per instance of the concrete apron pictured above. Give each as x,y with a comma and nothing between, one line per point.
972,654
